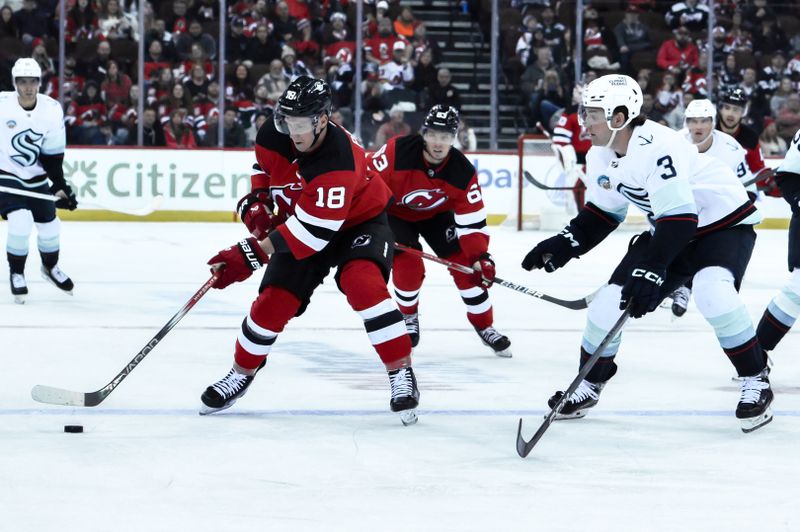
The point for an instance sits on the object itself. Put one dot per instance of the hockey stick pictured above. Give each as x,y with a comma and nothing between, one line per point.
524,447
154,204
538,184
60,396
577,304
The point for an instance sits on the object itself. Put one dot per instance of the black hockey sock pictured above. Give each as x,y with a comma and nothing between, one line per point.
748,358
604,368
770,331
16,263
49,259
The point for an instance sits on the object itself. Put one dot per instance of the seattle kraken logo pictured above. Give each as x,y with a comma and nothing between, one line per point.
24,143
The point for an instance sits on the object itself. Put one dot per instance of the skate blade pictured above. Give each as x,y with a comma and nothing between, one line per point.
206,410
753,423
505,353
578,414
19,299
408,417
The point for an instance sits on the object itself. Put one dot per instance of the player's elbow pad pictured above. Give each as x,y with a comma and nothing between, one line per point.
590,227
671,235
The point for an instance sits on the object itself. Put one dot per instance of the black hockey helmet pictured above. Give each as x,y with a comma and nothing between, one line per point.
441,118
735,96
306,96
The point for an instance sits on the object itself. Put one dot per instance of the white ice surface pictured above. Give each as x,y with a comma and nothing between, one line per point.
313,446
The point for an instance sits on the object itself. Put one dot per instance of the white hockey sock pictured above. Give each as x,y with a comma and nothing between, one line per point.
602,315
48,236
20,227
717,300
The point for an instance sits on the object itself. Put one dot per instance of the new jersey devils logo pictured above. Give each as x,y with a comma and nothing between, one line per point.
284,196
424,200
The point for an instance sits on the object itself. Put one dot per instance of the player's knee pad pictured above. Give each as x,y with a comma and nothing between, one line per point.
20,226
462,280
362,282
408,271
273,308
714,291
48,235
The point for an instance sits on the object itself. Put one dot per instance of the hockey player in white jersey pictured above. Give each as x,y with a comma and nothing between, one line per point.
700,118
701,228
31,152
783,310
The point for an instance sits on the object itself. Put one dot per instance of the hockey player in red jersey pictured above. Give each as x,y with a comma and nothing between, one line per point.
332,213
570,144
437,197
732,108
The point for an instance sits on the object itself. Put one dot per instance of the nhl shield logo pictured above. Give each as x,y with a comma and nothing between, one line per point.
361,240
11,124
604,182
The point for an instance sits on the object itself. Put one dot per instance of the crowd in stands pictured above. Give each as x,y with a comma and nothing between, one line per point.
754,45
266,45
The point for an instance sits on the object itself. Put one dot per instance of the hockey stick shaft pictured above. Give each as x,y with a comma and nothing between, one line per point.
144,211
577,304
59,396
524,447
538,184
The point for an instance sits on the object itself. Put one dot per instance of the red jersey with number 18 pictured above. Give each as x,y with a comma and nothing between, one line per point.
422,191
319,193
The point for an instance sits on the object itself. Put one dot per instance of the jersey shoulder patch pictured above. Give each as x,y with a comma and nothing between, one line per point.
408,152
747,137
457,171
273,140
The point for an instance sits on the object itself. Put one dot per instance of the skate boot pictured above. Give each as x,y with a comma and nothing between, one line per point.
19,288
405,395
412,326
753,410
582,399
55,276
499,343
680,301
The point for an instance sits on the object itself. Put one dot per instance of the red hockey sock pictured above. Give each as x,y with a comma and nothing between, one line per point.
269,314
362,282
475,297
408,272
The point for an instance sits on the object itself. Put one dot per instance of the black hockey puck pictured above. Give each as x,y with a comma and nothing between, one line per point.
73,428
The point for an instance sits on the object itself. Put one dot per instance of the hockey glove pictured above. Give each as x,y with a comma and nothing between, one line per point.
485,273
238,262
643,289
553,253
68,199
255,210
766,183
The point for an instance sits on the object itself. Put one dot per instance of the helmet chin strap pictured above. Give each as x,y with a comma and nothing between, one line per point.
611,138
711,132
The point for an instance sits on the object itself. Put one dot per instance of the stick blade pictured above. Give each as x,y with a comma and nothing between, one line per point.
58,396
522,445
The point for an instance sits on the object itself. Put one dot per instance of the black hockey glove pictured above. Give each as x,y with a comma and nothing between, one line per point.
643,289
553,253
70,202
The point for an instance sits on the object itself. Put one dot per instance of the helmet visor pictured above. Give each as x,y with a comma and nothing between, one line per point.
294,125
590,116
439,137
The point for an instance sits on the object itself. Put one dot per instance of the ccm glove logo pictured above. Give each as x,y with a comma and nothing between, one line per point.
566,233
647,276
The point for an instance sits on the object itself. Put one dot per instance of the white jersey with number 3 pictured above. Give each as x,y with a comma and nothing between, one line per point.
728,150
25,135
791,163
663,174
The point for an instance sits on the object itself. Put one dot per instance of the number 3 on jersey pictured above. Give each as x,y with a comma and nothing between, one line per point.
379,160
666,163
332,198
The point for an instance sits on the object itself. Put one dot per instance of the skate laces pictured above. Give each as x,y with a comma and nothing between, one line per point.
585,390
57,274
681,296
18,280
490,335
752,387
412,322
402,384
231,384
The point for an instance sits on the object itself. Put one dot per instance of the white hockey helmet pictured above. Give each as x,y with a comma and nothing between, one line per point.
701,109
613,91
26,67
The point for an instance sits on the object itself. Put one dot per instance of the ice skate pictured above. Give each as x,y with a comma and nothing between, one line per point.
499,343
405,395
680,301
19,288
753,410
224,393
412,326
58,278
582,399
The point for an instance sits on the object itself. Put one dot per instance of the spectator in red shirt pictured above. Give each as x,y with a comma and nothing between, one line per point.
117,85
679,54
176,133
